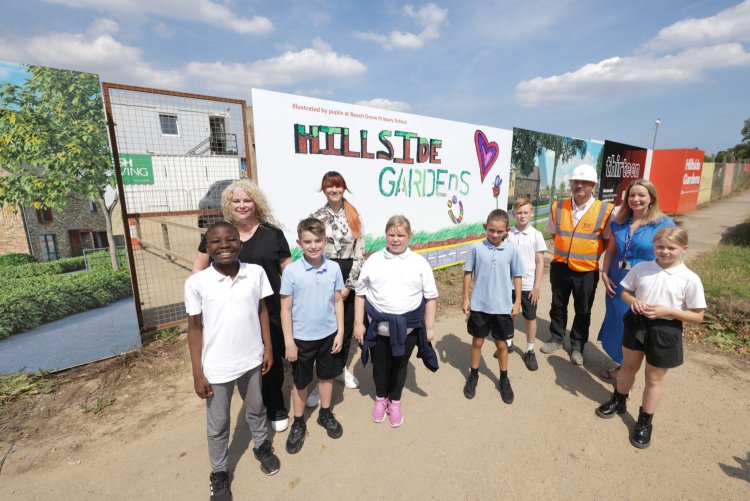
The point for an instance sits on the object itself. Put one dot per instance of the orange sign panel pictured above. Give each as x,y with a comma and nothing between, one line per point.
677,177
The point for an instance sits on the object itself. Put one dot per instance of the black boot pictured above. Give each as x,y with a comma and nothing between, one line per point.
616,405
641,436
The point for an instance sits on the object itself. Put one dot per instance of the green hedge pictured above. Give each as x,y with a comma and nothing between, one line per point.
16,258
46,268
33,301
101,259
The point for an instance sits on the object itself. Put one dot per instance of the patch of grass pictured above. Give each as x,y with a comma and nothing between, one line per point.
167,335
99,405
24,383
724,273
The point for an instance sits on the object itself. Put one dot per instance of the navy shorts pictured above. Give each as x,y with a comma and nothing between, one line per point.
482,324
659,339
528,310
314,353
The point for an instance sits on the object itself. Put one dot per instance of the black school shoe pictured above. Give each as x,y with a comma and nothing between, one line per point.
328,421
296,437
470,388
506,392
219,482
529,358
269,463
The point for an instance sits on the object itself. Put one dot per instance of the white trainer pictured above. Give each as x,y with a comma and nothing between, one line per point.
313,399
280,425
348,379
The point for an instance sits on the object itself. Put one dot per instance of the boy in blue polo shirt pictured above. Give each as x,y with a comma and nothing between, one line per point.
497,270
312,318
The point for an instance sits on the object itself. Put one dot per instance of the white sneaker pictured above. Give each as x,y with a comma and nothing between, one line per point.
280,425
348,379
313,399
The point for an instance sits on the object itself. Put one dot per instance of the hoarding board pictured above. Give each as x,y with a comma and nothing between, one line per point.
444,176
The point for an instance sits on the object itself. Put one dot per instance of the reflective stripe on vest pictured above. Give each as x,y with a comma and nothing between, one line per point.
574,245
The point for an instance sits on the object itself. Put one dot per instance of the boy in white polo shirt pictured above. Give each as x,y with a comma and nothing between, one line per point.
312,318
230,344
531,247
497,270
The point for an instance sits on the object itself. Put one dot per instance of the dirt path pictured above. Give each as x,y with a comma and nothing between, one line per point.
150,442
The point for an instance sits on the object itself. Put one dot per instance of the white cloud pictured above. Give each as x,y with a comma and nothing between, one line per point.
430,18
319,93
732,24
386,104
162,30
696,49
318,61
205,11
95,51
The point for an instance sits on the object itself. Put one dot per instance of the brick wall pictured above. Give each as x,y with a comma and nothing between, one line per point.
12,234
76,216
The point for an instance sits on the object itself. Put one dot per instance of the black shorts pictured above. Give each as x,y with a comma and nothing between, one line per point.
528,310
662,339
317,353
481,324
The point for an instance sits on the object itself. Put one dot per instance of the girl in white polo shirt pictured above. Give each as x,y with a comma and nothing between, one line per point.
662,294
394,312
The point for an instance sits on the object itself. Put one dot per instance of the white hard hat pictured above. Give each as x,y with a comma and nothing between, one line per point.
584,172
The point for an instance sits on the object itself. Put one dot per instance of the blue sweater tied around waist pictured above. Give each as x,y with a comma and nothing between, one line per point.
397,326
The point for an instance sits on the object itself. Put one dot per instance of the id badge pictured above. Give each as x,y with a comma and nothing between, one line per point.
624,265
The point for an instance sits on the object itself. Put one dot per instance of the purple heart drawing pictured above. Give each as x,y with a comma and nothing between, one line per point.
486,153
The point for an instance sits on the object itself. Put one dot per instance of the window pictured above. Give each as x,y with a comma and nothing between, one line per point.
92,206
44,216
168,125
48,243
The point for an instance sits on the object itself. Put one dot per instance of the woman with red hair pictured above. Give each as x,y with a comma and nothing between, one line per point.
345,244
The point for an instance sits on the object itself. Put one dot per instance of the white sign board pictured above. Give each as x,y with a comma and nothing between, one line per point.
444,176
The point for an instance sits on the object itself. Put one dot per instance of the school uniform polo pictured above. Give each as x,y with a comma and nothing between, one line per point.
494,269
313,291
396,283
675,288
232,338
528,242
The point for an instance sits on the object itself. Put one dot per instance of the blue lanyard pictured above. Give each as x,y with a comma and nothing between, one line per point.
628,238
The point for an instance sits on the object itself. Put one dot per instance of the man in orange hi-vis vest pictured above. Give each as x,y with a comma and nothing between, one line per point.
580,227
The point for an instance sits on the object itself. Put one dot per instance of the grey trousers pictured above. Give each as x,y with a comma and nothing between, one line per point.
217,415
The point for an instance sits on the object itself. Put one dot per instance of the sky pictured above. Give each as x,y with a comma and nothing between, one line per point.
589,69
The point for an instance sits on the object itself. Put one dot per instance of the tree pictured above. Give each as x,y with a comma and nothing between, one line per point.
528,144
740,151
53,142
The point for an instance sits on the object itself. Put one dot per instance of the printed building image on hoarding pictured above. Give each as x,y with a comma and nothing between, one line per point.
72,301
550,159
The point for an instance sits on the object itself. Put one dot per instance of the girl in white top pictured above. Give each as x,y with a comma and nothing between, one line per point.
662,294
394,281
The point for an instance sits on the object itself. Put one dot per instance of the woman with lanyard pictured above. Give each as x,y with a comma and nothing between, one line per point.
633,229
345,244
263,243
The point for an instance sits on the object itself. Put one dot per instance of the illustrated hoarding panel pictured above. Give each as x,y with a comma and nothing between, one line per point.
444,176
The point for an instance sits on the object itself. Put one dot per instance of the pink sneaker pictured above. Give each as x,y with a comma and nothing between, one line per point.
379,409
395,417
